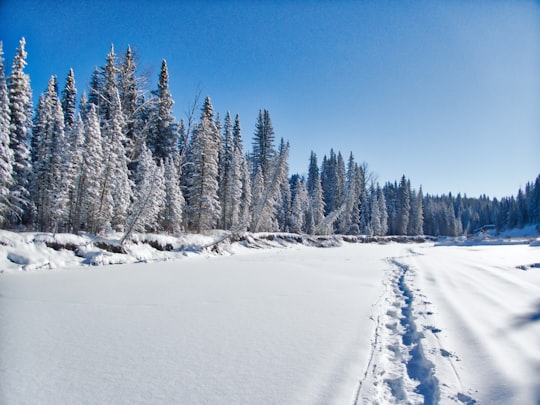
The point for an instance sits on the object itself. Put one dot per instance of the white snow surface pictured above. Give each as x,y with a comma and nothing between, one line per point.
355,324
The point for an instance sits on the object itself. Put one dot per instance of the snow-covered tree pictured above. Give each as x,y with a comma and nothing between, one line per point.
267,197
284,197
348,222
171,215
149,195
259,219
246,197
108,90
21,111
116,172
48,160
365,213
94,89
416,221
6,154
240,190
202,199
128,89
69,102
163,133
383,213
226,157
73,175
300,207
315,193
95,200
264,151
333,181
404,206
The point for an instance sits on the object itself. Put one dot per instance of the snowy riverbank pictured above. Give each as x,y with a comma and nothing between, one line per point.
359,323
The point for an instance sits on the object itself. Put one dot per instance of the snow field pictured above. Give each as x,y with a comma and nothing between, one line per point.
361,323
479,311
270,326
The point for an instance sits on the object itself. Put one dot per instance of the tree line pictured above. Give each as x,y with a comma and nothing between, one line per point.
116,159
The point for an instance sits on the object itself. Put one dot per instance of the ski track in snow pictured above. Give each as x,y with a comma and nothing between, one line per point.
361,324
445,332
398,370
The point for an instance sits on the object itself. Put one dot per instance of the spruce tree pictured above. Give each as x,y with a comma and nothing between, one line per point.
315,193
376,227
284,197
73,174
226,156
383,212
128,90
48,160
300,207
266,197
69,102
202,199
416,222
149,196
264,151
95,200
328,182
163,139
240,188
171,215
6,154
404,206
260,219
94,89
108,89
21,111
116,159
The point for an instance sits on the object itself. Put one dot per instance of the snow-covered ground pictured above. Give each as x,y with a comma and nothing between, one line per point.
359,323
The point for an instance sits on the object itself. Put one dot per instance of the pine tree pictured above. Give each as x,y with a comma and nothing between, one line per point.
284,197
226,157
6,154
260,219
73,175
95,87
240,188
404,206
315,193
20,102
48,160
333,182
348,222
202,200
521,208
95,200
117,165
300,207
128,90
416,222
365,225
264,151
383,212
266,197
69,102
108,89
376,226
328,181
171,215
163,139
149,195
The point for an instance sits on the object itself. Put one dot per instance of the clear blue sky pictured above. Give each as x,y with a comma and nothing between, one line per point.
445,92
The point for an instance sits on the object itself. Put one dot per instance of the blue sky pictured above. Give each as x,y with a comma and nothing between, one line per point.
445,92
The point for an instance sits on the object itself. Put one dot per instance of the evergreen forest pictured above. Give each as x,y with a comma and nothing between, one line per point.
113,158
